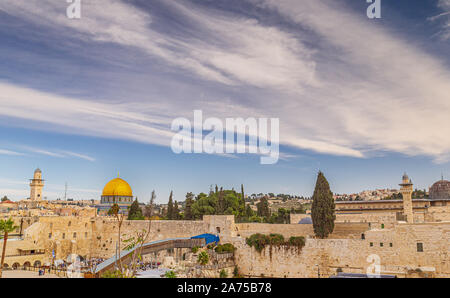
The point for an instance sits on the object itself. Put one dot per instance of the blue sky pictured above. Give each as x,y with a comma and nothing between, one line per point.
363,100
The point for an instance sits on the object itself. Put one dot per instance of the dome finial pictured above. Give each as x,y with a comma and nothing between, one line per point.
118,174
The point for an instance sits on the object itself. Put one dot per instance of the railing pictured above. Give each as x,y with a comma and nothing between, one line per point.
155,246
25,255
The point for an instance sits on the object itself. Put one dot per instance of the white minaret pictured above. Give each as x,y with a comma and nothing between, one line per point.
36,185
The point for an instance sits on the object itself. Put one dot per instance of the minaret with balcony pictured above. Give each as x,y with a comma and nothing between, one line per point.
36,186
406,191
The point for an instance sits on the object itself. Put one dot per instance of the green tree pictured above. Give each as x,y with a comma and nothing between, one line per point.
249,212
242,202
323,208
6,227
223,274
170,207
4,199
263,208
176,212
188,207
220,210
114,210
135,212
203,258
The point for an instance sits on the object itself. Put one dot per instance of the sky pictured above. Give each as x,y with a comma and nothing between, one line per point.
85,100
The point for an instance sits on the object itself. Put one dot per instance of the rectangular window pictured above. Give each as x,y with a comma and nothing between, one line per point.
390,244
419,247
381,244
371,243
50,236
74,235
64,236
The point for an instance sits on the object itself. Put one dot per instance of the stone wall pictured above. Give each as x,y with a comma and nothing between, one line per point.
287,230
347,248
396,248
105,232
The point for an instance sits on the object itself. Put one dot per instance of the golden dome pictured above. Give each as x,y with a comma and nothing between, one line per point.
117,187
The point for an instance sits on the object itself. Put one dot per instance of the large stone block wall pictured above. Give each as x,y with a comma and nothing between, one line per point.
105,232
437,214
287,230
347,248
326,256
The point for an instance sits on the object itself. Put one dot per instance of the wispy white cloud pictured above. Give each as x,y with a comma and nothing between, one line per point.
43,152
9,152
386,94
246,52
364,89
78,155
444,33
58,153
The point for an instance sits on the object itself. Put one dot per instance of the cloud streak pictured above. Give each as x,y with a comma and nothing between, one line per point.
339,84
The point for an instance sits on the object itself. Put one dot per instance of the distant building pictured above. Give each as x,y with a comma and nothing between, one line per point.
439,196
440,190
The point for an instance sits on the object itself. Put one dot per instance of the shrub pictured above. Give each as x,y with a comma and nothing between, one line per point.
203,258
258,241
195,249
225,248
276,239
113,274
223,274
236,271
170,274
297,241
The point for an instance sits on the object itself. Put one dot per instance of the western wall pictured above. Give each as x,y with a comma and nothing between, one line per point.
347,249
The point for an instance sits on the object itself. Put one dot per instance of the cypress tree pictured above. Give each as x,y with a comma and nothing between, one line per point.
170,207
188,208
322,210
242,199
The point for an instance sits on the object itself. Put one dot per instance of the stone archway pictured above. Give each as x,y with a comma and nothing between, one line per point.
15,266
26,265
5,266
37,264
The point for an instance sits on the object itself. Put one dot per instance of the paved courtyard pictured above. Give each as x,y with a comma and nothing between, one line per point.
26,274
